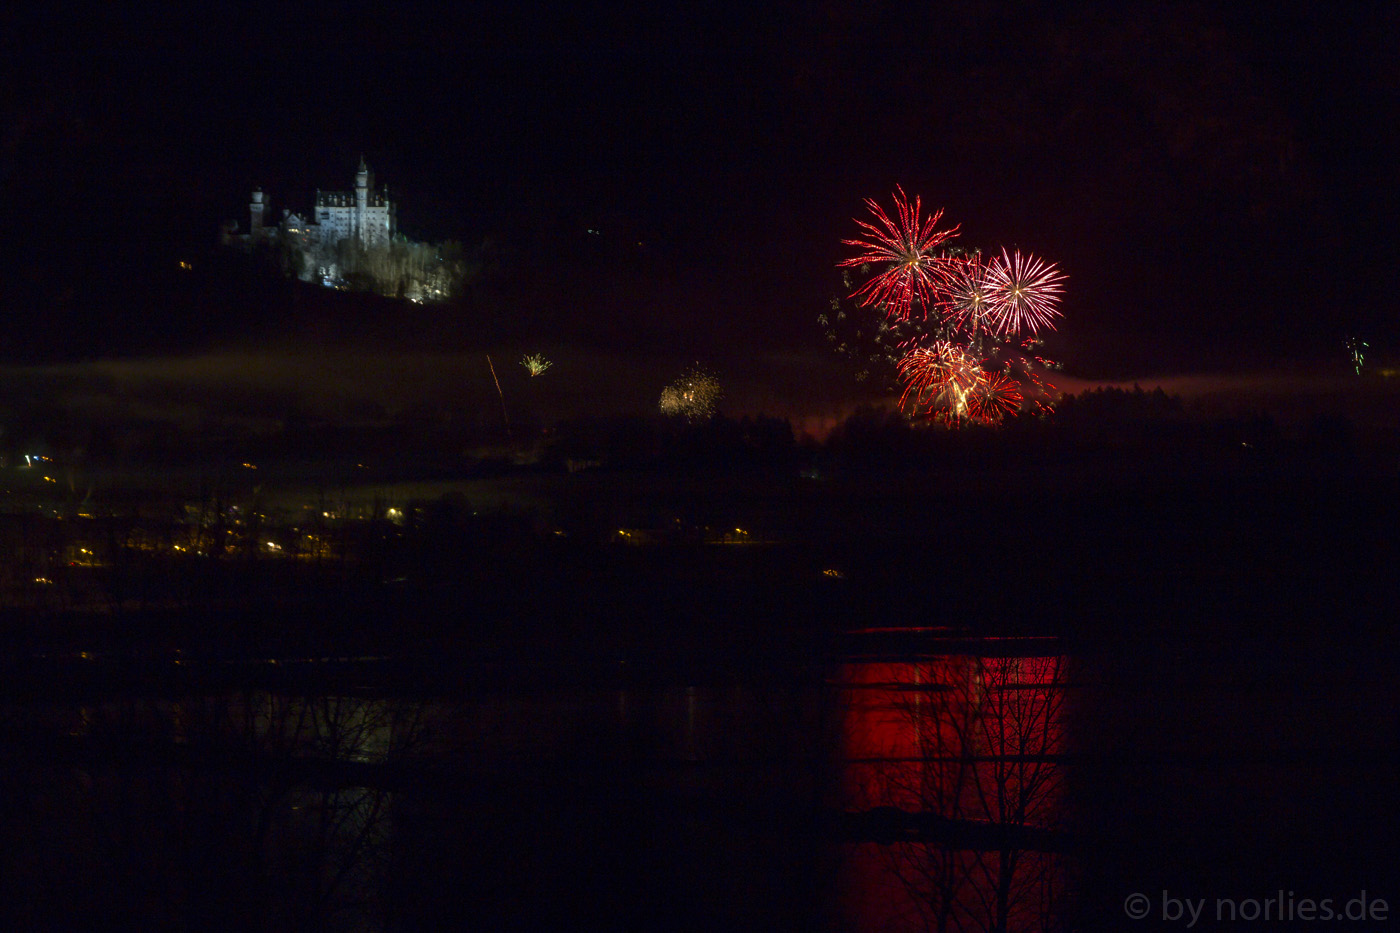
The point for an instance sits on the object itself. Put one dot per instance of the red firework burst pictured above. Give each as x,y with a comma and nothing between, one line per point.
1023,293
904,246
994,397
939,380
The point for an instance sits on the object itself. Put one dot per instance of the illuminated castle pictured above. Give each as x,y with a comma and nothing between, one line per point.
365,214
350,240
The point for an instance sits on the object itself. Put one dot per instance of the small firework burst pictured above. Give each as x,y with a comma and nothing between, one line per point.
692,396
1356,348
535,364
993,398
905,248
1024,292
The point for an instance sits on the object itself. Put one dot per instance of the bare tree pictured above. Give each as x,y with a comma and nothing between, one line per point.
249,810
975,761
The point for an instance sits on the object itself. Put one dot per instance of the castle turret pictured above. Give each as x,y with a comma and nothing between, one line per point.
257,210
361,198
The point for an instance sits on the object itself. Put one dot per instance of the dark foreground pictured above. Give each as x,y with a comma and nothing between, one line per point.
982,706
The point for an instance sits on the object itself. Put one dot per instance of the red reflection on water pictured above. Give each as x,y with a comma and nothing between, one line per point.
973,741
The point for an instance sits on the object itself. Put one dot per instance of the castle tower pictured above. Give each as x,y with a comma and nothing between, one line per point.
362,185
257,210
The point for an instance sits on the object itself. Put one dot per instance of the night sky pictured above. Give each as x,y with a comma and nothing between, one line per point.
1218,187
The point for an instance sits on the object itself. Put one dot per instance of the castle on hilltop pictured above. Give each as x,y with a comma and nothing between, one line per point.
365,216
350,240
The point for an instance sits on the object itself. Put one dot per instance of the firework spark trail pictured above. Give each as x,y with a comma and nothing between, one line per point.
1024,365
1042,398
498,392
906,247
1023,292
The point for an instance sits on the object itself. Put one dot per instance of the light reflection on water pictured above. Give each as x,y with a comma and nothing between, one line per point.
957,762
303,795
